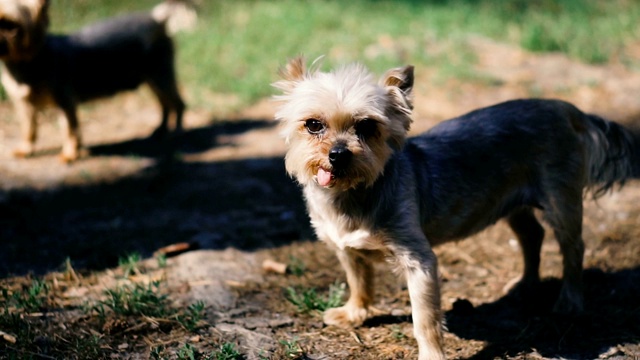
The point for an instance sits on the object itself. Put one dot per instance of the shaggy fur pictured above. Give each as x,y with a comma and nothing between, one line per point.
372,196
100,60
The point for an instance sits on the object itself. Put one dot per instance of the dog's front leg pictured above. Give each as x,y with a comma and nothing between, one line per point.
71,133
360,275
26,113
420,267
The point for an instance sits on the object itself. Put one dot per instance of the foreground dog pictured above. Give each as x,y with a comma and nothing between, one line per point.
374,195
99,60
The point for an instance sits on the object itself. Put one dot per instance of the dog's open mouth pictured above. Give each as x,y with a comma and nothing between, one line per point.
324,177
328,177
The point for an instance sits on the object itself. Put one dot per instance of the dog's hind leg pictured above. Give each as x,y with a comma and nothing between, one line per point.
563,212
163,83
360,278
171,103
530,235
27,114
71,132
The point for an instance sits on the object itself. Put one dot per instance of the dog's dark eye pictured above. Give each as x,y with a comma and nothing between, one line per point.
366,128
7,25
314,126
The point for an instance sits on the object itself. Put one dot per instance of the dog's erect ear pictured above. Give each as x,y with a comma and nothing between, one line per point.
399,82
43,12
399,85
291,74
294,70
400,77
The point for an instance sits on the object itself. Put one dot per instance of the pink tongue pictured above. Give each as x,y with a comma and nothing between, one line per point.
324,177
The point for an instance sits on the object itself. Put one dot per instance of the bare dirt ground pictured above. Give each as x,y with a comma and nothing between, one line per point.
223,189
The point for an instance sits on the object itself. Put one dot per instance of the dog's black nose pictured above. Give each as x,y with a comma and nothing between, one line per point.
340,156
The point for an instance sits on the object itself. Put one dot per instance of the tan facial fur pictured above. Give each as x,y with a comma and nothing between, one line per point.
341,101
23,26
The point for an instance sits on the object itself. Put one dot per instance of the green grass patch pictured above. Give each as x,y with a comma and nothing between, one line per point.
296,266
130,264
227,351
3,94
32,298
233,55
136,299
308,300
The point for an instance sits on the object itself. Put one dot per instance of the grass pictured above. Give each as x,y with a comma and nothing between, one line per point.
136,300
307,301
28,310
234,53
296,266
193,317
32,299
130,264
226,351
292,349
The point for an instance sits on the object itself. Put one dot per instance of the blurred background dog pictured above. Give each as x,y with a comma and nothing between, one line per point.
40,69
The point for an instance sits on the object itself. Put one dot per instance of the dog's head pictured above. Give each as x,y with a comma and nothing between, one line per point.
23,27
342,126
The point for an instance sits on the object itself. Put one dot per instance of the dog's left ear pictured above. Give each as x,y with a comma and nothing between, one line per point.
399,83
43,13
291,74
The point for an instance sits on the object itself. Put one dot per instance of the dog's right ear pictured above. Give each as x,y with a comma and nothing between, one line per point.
294,70
399,83
42,15
291,74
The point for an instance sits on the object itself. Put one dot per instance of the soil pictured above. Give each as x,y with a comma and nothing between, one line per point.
222,189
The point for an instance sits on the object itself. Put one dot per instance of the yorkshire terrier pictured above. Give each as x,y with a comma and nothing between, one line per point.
373,194
100,60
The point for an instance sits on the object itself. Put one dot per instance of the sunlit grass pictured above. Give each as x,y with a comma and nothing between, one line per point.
239,45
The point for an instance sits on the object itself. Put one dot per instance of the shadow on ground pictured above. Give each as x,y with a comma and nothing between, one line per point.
190,141
512,325
246,204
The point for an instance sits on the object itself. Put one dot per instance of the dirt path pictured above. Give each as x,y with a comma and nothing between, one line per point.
226,193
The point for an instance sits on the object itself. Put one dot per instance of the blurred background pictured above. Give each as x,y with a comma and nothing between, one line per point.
69,234
237,47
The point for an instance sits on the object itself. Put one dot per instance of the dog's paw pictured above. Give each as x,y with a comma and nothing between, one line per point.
73,155
570,302
162,132
23,150
345,316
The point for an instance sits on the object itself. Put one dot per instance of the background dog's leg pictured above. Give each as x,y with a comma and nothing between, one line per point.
530,235
165,88
360,279
26,113
71,134
421,269
564,214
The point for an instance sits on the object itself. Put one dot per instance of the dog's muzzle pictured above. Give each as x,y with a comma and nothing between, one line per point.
340,156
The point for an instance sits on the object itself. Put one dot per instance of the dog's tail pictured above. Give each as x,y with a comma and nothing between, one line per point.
177,15
613,154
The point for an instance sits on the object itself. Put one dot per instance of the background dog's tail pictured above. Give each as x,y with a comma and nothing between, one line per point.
177,15
613,154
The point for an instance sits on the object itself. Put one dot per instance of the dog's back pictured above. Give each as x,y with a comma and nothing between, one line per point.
481,166
113,55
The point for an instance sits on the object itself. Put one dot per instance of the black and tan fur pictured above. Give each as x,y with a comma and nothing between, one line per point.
372,195
41,69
